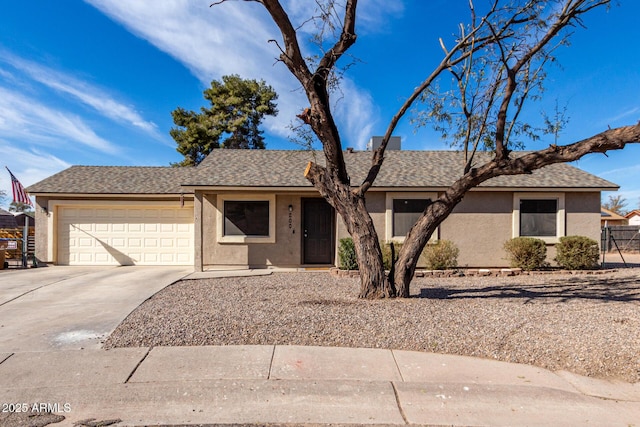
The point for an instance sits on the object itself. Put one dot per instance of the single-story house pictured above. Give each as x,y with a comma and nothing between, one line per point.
254,208
633,217
611,219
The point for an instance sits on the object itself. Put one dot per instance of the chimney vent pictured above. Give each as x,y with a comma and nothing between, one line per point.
349,149
375,141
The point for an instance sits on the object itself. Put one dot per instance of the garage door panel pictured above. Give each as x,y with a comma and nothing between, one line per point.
167,258
151,243
183,228
102,258
134,243
183,243
182,259
150,235
167,243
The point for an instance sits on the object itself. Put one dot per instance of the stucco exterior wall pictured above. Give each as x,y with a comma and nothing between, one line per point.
376,204
583,214
42,235
479,226
285,252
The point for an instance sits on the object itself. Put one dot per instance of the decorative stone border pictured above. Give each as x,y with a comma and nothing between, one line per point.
471,272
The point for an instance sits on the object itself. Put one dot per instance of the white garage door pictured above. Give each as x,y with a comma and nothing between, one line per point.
125,235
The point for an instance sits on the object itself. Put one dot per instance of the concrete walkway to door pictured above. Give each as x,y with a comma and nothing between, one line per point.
66,308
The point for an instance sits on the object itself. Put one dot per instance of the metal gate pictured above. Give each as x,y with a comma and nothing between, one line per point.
16,251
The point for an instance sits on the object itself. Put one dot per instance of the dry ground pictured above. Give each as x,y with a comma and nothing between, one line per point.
587,324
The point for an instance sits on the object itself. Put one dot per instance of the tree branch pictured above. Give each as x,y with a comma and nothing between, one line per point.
378,155
346,40
465,47
292,55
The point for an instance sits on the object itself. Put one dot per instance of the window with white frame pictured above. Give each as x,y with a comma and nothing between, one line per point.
405,213
246,219
539,215
402,212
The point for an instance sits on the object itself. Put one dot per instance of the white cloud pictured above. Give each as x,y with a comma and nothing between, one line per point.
355,110
232,38
614,120
86,93
26,119
622,172
373,15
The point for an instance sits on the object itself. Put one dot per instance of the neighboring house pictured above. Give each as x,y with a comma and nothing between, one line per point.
7,219
25,217
254,208
633,217
611,219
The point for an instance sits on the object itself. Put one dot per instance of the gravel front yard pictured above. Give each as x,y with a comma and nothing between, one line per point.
587,324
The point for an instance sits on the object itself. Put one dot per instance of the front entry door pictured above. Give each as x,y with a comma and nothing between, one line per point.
318,231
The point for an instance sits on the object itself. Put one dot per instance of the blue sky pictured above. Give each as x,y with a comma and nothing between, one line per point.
94,82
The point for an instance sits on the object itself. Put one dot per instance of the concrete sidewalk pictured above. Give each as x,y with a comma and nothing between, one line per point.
303,385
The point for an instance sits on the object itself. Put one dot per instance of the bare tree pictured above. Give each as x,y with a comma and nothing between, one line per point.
616,204
497,63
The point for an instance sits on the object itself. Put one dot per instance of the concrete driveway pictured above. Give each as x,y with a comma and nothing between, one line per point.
73,307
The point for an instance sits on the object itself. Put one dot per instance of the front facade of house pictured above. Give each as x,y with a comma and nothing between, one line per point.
254,208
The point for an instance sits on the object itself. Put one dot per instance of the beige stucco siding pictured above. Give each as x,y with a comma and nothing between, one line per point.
583,214
479,226
42,232
284,252
376,204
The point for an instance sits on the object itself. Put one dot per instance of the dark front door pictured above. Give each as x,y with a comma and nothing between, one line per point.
318,231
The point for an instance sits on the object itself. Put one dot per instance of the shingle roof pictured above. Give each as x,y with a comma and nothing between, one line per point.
633,213
610,215
285,168
7,219
114,180
272,168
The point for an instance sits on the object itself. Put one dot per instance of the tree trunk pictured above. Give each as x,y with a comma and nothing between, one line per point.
422,230
373,281
352,209
405,265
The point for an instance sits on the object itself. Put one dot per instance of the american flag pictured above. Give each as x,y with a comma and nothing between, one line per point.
19,193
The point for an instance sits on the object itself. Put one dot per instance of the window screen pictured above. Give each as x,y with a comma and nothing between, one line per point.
405,213
538,217
246,218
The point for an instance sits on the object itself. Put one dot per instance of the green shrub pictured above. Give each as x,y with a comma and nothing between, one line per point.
347,254
577,253
526,253
386,253
443,255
